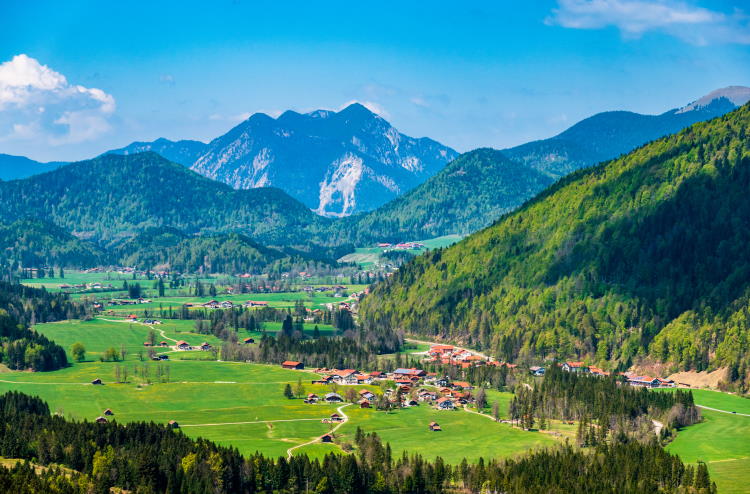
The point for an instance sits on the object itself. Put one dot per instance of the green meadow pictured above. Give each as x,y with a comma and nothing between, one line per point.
241,404
370,256
721,440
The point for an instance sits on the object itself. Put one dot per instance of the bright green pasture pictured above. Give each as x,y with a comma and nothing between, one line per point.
369,256
207,399
278,300
99,334
722,440
464,434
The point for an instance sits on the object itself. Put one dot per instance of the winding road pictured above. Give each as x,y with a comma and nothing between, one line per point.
340,411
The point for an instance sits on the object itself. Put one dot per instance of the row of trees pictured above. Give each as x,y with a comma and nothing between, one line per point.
603,407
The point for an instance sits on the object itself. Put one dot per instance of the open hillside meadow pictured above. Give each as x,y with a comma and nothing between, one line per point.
242,404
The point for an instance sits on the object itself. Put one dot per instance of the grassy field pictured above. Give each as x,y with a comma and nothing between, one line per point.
100,334
370,256
722,440
242,404
464,434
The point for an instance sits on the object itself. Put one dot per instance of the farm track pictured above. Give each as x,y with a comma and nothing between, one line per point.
723,411
340,410
251,422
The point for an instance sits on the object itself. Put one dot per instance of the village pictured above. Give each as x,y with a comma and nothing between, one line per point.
412,386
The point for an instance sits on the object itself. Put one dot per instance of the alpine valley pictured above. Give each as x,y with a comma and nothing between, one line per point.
530,296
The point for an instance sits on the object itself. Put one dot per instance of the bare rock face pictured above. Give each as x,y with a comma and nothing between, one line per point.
336,163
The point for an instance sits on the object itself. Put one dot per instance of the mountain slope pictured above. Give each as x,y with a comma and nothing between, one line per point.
15,167
607,135
645,255
170,249
113,197
37,243
184,152
465,196
336,163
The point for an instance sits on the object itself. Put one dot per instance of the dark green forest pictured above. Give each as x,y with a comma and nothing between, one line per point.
21,307
643,257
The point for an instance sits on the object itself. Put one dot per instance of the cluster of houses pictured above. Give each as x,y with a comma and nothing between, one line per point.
86,286
448,395
184,345
629,377
402,246
120,301
228,304
459,357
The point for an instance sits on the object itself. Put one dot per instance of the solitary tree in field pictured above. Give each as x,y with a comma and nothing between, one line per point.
299,389
288,391
481,399
495,411
78,351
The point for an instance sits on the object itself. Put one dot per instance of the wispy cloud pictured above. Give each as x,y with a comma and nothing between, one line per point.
691,23
40,106
374,107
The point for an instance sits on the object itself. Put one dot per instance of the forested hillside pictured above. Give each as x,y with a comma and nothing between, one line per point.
111,198
36,243
465,196
170,249
642,256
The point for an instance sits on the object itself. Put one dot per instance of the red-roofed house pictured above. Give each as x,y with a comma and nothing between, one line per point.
291,364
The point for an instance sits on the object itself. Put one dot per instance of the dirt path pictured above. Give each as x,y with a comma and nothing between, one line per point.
251,422
340,411
658,426
723,411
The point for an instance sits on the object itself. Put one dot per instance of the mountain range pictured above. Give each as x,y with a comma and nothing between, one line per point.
609,134
642,258
336,163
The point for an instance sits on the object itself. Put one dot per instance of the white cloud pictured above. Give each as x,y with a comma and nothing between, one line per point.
696,25
376,108
40,106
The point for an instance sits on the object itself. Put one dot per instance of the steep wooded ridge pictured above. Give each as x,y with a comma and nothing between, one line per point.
170,249
465,196
643,256
34,243
607,135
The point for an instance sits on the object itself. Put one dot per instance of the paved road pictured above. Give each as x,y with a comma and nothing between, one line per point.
340,410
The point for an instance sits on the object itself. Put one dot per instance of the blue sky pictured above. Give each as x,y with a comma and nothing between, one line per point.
88,76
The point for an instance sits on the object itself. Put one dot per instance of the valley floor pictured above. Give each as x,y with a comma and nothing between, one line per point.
242,405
